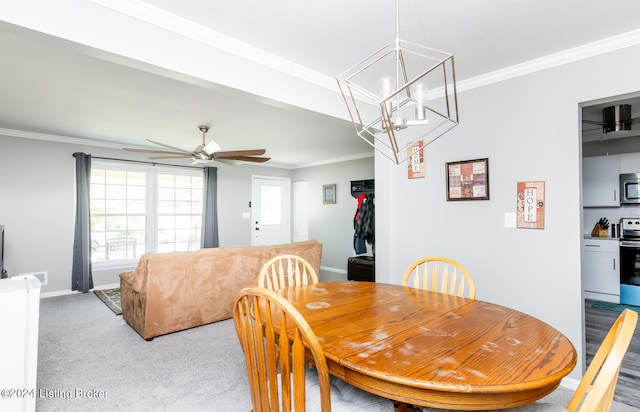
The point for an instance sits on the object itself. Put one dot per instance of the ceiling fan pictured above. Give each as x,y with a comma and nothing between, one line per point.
616,122
205,153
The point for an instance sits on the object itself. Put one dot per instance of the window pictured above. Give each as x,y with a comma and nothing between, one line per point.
138,208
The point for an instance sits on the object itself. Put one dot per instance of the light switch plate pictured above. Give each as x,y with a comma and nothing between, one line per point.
510,220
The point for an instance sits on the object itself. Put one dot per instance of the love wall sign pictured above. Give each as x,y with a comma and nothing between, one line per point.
531,205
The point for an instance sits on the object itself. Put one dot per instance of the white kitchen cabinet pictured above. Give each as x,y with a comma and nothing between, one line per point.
601,181
601,269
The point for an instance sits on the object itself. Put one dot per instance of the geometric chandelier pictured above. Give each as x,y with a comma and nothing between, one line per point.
402,97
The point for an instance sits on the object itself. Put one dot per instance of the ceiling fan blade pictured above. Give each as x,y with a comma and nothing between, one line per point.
228,153
599,123
183,156
131,149
197,161
171,147
229,162
254,159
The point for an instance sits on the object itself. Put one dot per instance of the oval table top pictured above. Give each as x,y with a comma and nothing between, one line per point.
431,349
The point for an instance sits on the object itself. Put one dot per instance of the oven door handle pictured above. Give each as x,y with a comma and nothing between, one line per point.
629,243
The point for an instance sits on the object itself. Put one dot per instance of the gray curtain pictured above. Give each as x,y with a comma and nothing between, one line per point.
81,276
210,224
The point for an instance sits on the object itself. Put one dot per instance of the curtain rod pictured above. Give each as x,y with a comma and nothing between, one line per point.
145,162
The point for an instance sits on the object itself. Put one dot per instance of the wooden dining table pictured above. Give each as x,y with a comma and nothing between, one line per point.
430,349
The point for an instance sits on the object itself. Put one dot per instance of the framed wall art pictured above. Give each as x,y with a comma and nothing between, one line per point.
415,160
531,205
329,194
468,180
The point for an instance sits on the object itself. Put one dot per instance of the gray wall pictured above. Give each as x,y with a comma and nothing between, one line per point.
332,224
37,206
529,128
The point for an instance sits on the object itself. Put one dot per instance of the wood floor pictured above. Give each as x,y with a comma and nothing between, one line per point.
597,324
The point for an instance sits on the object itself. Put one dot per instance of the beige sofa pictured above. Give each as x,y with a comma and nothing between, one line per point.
168,292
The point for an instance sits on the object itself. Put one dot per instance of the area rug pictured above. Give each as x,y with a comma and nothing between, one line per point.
614,306
111,298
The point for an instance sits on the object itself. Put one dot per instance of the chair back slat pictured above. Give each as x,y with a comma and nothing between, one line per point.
442,275
284,271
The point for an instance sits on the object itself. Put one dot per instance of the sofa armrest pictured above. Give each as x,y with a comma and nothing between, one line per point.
137,278
128,277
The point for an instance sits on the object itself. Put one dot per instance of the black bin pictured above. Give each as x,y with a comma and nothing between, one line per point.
362,268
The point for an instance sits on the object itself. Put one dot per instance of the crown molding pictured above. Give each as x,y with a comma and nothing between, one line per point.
586,51
187,28
59,138
142,11
111,145
336,160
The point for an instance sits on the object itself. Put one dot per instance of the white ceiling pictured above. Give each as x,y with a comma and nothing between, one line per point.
260,73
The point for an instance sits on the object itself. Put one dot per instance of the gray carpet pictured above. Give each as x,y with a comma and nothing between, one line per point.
83,346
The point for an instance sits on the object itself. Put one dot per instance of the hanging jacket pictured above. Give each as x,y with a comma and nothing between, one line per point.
365,223
357,215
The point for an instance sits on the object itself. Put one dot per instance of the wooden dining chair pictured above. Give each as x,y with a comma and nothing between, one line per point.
440,274
284,271
278,377
598,385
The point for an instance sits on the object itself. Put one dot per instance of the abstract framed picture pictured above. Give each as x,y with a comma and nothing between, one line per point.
530,205
468,180
329,194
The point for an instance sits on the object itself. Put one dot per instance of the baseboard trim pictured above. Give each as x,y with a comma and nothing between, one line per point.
333,270
73,292
570,383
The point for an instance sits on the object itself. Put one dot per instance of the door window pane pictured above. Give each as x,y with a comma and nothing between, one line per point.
270,207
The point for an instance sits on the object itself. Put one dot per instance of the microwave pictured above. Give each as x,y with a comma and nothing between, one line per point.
630,188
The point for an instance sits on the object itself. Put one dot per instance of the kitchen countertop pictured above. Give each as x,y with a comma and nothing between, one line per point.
600,238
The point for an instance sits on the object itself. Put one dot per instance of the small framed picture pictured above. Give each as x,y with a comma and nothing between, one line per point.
415,160
329,194
468,180
531,205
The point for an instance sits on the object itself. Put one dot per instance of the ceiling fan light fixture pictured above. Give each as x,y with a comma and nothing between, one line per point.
207,149
211,147
402,93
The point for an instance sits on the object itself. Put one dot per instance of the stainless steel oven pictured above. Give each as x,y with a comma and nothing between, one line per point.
630,262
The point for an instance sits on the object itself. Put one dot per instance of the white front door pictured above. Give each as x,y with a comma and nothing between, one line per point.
270,210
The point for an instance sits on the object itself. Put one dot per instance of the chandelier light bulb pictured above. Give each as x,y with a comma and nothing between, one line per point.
419,94
386,85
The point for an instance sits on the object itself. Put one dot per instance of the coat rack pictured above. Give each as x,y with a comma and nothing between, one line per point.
359,187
